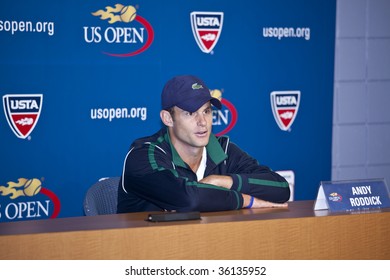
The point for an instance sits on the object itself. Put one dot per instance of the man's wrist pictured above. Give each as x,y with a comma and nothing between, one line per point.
251,202
247,200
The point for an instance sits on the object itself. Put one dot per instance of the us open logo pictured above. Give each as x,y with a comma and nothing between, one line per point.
22,112
27,199
207,28
225,119
122,30
335,197
285,105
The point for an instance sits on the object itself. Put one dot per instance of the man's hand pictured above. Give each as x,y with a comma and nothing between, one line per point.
259,203
218,180
227,182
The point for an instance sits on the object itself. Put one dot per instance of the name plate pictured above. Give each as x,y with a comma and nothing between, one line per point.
341,196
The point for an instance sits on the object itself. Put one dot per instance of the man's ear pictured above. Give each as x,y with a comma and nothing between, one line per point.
166,118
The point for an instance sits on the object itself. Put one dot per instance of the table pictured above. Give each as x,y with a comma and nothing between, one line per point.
298,232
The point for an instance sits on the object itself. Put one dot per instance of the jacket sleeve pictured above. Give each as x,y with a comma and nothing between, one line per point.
249,177
150,174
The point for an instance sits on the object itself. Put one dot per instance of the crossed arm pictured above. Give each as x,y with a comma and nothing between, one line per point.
226,181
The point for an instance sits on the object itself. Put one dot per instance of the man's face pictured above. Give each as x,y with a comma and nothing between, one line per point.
191,130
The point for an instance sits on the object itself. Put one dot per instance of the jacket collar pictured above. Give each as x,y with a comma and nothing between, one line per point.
214,151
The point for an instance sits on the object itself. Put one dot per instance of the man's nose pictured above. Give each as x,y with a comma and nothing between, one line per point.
201,120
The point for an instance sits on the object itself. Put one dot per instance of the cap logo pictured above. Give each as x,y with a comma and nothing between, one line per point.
196,86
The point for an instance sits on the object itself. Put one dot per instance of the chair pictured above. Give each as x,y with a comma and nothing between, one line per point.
102,197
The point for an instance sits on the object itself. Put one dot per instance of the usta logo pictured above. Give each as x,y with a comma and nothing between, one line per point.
206,28
22,112
285,105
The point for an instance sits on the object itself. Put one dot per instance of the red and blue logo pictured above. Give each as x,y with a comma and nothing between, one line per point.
22,112
207,28
285,105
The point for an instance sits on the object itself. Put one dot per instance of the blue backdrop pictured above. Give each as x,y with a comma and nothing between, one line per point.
80,80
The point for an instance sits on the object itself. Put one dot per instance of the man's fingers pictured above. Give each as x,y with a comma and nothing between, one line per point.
279,205
266,204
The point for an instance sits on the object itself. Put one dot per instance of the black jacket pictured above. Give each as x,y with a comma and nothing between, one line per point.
155,178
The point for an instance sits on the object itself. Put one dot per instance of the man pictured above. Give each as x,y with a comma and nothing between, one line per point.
184,167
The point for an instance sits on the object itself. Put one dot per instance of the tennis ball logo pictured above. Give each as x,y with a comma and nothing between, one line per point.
32,187
216,93
128,13
119,13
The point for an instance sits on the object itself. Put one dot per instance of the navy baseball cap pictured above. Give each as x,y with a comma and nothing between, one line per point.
187,92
